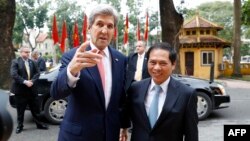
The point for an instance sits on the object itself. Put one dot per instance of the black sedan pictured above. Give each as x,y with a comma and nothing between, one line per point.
211,95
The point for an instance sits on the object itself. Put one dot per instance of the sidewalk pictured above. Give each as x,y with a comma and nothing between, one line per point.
232,83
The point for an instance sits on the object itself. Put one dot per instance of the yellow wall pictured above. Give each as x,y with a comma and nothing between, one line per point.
202,71
228,69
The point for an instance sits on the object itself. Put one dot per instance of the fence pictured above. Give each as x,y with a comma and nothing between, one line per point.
228,69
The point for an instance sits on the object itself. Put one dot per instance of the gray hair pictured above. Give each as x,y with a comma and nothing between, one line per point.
102,9
35,53
143,43
23,47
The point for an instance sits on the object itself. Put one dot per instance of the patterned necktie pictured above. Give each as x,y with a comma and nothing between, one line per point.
26,63
153,109
101,70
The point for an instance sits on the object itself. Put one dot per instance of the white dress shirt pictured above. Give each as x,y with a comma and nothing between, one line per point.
139,65
162,96
72,80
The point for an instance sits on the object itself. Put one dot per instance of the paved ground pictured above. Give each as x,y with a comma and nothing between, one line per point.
209,130
212,129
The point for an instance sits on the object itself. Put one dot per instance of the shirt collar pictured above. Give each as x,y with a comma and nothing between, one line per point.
163,85
106,50
25,59
142,55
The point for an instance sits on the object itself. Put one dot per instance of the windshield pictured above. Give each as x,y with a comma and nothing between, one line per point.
54,68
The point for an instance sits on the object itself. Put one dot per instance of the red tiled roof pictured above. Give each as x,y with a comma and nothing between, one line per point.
41,37
199,22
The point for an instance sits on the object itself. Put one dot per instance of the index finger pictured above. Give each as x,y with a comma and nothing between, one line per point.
83,46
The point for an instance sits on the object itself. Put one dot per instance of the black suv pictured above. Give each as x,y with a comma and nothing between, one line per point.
211,95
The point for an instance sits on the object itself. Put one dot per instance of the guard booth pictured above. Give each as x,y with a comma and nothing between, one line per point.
200,46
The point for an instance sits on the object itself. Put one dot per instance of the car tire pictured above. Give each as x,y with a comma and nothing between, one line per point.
204,105
54,110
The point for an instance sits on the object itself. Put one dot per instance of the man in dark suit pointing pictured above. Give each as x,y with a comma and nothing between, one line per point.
92,77
162,108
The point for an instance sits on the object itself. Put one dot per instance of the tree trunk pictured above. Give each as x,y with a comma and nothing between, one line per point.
171,23
236,38
7,16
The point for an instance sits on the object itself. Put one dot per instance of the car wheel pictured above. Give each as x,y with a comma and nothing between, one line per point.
55,109
204,105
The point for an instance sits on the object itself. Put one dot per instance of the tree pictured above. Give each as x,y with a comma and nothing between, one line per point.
237,38
171,22
246,12
154,25
31,15
7,16
246,18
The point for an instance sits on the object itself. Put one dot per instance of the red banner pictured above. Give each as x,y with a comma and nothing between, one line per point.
64,36
55,36
146,29
84,28
125,39
76,41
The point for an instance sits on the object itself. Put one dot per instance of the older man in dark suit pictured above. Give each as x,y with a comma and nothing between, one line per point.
36,56
162,108
24,73
92,76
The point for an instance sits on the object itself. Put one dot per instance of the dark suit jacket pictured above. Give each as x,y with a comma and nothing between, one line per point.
131,69
41,64
86,118
19,74
178,117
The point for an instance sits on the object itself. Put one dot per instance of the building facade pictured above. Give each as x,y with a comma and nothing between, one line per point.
200,47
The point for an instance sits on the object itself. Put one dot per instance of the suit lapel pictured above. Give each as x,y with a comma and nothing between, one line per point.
171,98
23,68
134,62
144,67
93,71
116,69
142,96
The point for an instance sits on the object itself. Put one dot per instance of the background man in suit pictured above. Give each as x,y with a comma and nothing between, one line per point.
161,107
24,73
39,60
92,76
137,65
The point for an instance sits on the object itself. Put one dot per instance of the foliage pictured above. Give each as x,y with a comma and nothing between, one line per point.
245,49
246,12
18,28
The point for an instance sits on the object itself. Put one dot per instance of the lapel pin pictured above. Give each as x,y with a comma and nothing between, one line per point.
116,59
